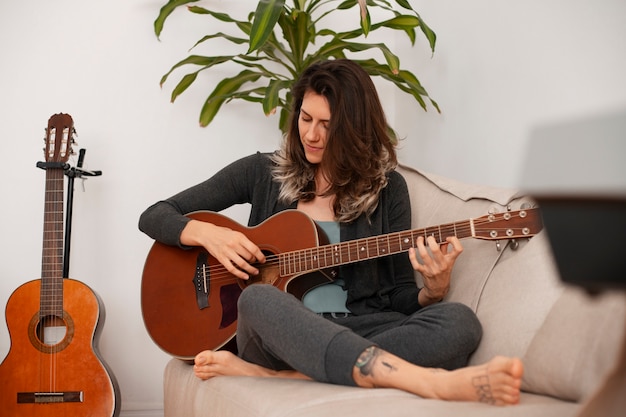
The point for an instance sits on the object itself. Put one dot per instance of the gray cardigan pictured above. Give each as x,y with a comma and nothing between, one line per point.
383,284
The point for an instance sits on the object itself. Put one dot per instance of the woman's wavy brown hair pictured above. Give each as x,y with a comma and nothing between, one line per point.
359,151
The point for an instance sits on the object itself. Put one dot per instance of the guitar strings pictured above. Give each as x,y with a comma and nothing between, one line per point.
51,328
218,273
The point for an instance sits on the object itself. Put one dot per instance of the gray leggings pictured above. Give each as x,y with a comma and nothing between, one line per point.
275,330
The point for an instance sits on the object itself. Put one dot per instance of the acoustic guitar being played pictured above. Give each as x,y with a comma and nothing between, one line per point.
189,299
53,368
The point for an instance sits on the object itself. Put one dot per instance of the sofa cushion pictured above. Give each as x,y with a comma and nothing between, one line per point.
576,346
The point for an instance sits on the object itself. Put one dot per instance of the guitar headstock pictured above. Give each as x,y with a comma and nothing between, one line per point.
508,225
59,138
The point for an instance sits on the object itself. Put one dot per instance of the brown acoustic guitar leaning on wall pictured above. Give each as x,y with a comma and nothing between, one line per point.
53,368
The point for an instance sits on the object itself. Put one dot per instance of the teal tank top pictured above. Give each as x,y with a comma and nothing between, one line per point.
330,297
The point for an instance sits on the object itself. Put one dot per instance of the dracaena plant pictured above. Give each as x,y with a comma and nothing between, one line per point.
283,38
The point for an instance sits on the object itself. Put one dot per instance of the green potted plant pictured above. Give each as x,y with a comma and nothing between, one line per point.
283,39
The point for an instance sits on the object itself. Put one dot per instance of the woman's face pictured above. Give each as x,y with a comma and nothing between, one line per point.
313,124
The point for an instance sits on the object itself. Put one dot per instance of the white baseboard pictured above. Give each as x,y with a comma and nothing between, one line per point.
141,413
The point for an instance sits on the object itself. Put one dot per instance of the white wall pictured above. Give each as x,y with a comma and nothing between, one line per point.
501,68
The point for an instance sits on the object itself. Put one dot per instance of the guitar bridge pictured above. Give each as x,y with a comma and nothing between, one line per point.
49,397
201,280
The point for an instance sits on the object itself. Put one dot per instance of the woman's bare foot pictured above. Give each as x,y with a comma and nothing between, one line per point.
208,364
495,382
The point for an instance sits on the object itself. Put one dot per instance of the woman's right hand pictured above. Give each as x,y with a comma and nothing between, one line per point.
231,248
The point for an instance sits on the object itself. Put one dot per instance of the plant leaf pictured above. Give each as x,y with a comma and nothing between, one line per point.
404,80
222,92
405,4
400,22
164,13
182,85
365,17
405,23
335,48
265,18
205,61
295,30
238,41
430,35
272,96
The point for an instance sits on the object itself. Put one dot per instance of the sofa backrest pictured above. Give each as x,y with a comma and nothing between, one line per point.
514,288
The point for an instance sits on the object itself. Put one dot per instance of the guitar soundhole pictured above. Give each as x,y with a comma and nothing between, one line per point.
51,330
268,273
51,334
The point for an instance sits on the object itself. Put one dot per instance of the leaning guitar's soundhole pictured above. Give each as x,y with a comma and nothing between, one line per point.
51,334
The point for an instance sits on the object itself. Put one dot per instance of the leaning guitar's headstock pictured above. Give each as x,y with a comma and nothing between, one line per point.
508,225
59,138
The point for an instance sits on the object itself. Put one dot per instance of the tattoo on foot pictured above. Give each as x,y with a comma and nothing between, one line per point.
483,389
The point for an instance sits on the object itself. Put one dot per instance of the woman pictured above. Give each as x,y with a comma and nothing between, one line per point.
337,166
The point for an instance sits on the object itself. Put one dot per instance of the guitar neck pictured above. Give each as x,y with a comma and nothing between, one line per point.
59,138
333,255
496,226
52,254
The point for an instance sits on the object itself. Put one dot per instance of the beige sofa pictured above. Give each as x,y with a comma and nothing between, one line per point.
568,340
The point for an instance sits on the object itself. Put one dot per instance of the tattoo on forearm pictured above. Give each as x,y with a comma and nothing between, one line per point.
483,389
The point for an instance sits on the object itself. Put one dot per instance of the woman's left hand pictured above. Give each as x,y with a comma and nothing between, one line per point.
436,267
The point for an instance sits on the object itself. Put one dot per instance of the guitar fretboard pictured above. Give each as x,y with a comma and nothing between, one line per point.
51,301
333,255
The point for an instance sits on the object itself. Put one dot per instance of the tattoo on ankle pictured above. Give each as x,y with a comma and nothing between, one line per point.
483,389
365,363
390,366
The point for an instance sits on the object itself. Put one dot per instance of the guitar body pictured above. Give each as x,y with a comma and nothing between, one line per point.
66,378
173,290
